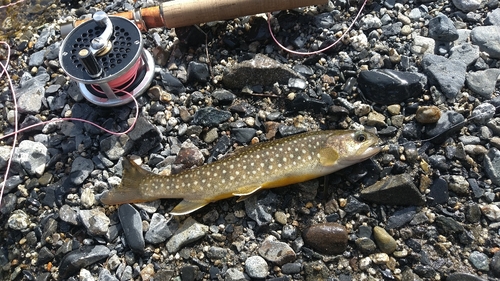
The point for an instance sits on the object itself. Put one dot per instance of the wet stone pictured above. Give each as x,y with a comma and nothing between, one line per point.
160,229
256,267
276,252
210,117
77,259
394,190
131,222
384,240
389,86
326,238
189,232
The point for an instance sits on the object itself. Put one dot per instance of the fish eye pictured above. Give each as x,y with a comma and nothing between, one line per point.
361,137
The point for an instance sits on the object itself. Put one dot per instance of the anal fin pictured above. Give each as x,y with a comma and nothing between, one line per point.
187,206
246,190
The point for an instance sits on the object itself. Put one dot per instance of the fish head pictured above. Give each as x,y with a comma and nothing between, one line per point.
353,146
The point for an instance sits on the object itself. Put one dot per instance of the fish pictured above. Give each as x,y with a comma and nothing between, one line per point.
264,165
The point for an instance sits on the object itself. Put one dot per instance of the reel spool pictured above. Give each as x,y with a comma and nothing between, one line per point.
107,59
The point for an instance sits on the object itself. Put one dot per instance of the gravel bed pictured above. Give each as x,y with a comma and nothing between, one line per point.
422,75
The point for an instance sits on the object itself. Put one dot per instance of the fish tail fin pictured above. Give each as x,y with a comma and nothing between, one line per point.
129,190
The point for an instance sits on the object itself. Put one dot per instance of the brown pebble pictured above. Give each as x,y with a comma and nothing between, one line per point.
326,238
384,240
428,114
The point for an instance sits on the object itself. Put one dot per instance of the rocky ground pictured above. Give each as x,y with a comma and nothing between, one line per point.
422,75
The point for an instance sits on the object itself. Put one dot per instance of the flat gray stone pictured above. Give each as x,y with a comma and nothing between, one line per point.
488,39
483,82
190,231
447,75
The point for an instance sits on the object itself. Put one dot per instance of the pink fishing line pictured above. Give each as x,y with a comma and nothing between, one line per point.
16,128
318,51
11,4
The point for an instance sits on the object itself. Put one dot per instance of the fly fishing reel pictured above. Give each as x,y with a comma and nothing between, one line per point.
107,59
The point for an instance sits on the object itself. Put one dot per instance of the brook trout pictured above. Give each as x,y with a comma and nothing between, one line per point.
264,165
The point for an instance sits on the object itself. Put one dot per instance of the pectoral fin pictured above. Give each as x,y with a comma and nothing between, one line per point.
328,156
186,207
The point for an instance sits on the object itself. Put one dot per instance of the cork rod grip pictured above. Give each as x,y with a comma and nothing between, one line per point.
188,12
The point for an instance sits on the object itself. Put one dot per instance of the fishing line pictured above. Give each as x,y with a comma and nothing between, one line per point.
269,16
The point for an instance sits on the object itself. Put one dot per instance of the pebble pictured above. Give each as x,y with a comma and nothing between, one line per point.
447,75
221,96
233,274
488,39
260,210
438,193
365,245
291,268
379,258
198,72
394,190
80,258
33,157
482,82
386,86
115,147
401,217
384,240
131,223
80,170
491,211
457,184
448,225
261,70
441,28
423,45
243,135
276,252
479,261
160,229
95,221
256,267
491,165
210,117
171,83
188,232
327,238
483,113
467,5
428,114
316,271
19,220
